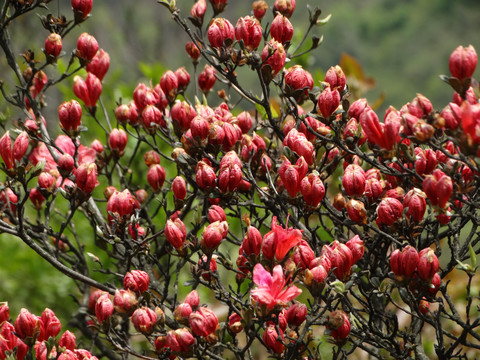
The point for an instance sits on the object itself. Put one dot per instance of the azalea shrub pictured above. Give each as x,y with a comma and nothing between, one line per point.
200,218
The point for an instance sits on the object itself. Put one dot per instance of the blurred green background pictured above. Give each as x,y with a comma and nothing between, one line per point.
402,45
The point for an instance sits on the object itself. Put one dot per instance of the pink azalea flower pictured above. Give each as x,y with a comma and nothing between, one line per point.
283,240
270,291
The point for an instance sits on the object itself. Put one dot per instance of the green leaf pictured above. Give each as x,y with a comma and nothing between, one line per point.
473,256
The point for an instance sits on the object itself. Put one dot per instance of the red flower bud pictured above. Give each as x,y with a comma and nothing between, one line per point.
99,64
245,122
183,79
176,233
404,263
252,242
438,187
4,313
203,322
423,306
220,33
249,31
97,146
144,95
180,341
137,281
389,211
182,115
312,190
216,213
156,176
339,324
415,202
285,7
274,55
83,7
121,205
341,258
51,325
27,325
213,235
427,264
205,176
179,188
357,108
259,8
193,299
353,180
20,146
192,50
230,173
88,90
144,320
53,45
270,338
303,255
299,80
125,302
87,47
336,78
169,85
281,29
356,211
328,102
462,62
103,308
67,340
435,283
235,323
182,313
70,115
218,5
86,177
206,79
6,150
118,141
357,248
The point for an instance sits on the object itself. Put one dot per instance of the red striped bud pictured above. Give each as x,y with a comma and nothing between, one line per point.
144,320
281,29
183,79
427,264
220,33
169,85
87,47
312,190
389,211
216,213
438,187
213,235
125,302
353,180
51,325
53,45
99,64
70,115
103,308
462,62
118,141
27,325
271,338
67,341
285,7
137,281
82,7
176,233
336,78
179,188
356,211
357,248
339,325
193,299
249,31
206,79
328,102
156,176
88,90
274,55
86,177
259,9
205,176
404,263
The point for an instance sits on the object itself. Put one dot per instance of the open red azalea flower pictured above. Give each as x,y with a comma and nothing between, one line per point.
270,291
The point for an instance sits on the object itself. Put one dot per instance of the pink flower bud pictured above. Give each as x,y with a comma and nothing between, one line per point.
70,115
4,312
193,299
169,85
207,78
303,255
118,141
389,211
328,102
6,150
216,213
67,340
20,146
103,308
312,190
144,95
341,259
296,315
200,127
176,233
53,45
144,320
156,176
213,235
203,322
357,108
427,264
88,90
259,9
281,29
27,325
83,7
230,173
235,323
182,313
438,187
125,302
121,205
336,78
182,115
462,62
415,202
192,50
99,64
205,176
274,55
87,47
285,7
270,338
249,31
245,122
51,326
372,127
353,180
179,188
339,325
180,341
252,242
97,146
86,177
183,79
198,10
137,281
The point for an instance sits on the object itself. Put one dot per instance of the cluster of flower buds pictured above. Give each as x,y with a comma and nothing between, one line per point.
418,270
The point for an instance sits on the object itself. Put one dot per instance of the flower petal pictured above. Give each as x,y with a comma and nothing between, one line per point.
262,277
